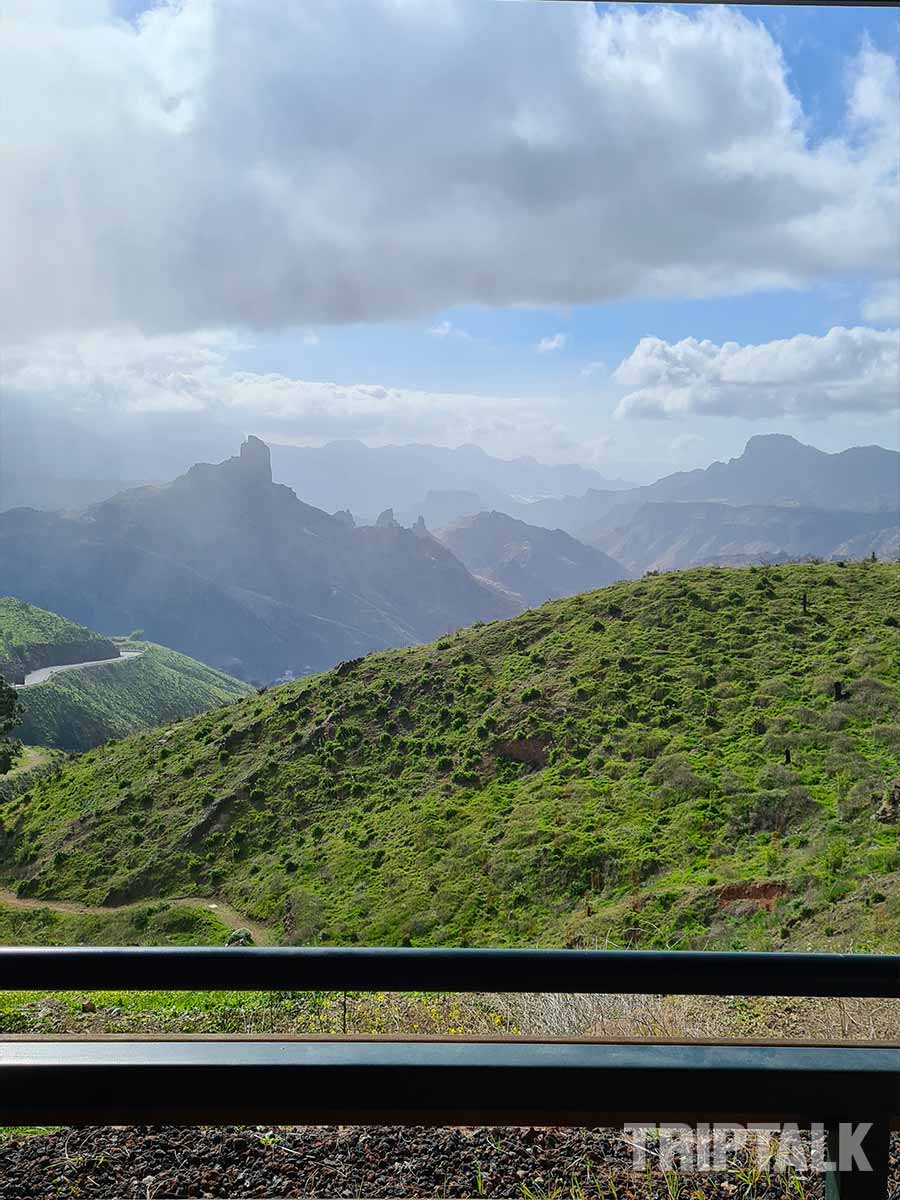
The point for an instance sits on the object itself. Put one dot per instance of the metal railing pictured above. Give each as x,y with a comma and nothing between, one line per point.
216,1080
664,972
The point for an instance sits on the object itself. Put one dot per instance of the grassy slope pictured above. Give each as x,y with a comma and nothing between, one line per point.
376,803
75,710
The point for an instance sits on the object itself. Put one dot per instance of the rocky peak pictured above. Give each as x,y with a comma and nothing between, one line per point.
777,447
386,519
255,460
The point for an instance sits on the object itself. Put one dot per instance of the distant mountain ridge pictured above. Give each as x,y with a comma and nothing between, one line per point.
780,500
231,568
775,469
368,479
669,536
534,563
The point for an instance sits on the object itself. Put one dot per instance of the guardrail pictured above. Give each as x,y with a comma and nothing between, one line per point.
212,1080
669,972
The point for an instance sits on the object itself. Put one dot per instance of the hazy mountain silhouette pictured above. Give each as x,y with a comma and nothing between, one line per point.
777,469
665,536
779,500
535,564
368,479
233,569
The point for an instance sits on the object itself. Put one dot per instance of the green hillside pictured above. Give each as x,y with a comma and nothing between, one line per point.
32,637
78,709
611,768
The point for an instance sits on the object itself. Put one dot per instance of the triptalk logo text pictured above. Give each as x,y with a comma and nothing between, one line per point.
770,1146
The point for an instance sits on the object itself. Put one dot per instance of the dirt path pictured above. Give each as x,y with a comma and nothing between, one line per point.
230,916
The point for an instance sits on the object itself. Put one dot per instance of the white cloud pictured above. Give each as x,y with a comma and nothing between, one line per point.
684,446
119,373
882,305
218,163
594,368
845,371
444,329
556,341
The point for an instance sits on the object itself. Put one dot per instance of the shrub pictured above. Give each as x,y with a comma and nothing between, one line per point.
777,776
674,777
772,811
872,698
888,735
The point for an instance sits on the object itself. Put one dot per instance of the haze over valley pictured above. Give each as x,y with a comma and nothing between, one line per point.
245,574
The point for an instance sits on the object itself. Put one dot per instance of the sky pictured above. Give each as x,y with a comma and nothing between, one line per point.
607,234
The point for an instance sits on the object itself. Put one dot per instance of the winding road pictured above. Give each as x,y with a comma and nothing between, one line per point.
44,673
228,915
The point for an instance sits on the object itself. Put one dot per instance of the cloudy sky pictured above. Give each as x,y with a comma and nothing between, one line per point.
588,232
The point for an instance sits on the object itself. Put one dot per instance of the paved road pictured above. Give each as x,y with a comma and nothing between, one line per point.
44,673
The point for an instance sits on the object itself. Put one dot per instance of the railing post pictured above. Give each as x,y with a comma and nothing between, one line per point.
846,1143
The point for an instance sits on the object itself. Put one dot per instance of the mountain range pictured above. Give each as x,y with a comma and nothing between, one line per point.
228,567
774,470
779,500
664,537
532,563
231,568
368,479
49,460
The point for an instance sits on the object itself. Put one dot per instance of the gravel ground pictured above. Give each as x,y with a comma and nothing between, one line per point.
529,1164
